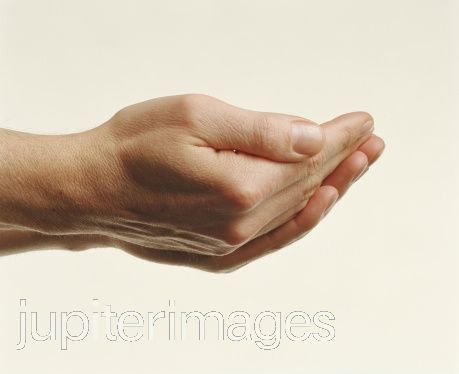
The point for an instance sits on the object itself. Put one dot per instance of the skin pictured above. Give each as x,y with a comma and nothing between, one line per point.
186,180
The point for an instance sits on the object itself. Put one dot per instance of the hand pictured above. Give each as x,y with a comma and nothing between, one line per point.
12,241
178,185
162,174
337,183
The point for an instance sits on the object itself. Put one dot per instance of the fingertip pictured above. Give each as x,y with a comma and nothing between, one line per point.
381,143
362,117
373,148
357,116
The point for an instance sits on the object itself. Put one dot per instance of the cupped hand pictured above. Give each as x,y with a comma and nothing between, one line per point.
185,180
316,208
193,174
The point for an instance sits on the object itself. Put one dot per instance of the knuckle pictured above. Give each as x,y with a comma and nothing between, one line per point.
123,120
365,116
190,107
240,197
236,234
192,100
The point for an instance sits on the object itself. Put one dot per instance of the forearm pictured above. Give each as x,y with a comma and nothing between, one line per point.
41,182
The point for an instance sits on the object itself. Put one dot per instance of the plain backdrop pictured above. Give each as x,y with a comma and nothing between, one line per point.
384,261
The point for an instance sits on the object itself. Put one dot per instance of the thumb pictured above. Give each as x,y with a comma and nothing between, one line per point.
274,136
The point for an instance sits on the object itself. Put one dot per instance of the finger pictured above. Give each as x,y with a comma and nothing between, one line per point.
285,203
373,148
351,169
260,177
274,136
347,172
341,178
276,210
343,135
317,207
282,218
303,222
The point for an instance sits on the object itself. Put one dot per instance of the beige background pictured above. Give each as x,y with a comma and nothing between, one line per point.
384,262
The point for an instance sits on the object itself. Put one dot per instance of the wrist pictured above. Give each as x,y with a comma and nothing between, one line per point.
48,183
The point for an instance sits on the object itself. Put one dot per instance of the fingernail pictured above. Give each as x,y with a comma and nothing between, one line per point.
307,137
